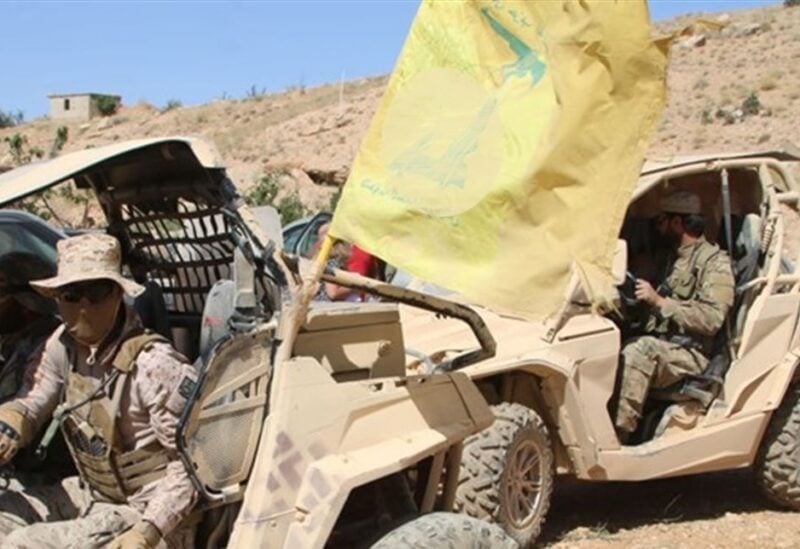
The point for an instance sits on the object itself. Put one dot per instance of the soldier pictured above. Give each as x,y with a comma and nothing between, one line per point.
26,318
122,392
26,321
699,290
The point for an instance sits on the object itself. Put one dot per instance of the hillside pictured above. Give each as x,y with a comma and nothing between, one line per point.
733,89
313,134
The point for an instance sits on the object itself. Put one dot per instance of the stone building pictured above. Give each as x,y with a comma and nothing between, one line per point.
78,106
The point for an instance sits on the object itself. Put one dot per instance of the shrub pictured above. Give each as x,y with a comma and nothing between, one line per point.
172,104
291,208
791,3
706,117
255,92
107,104
20,151
60,139
751,105
9,119
265,193
768,83
265,190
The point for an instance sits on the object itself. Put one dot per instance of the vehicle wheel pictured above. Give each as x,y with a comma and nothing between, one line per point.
507,473
446,530
778,461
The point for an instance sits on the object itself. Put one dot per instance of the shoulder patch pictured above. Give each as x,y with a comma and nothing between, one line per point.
186,388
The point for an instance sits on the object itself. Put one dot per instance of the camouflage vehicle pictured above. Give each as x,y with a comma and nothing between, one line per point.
552,384
304,430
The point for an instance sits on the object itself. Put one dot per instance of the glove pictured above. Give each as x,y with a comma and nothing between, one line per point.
12,428
143,535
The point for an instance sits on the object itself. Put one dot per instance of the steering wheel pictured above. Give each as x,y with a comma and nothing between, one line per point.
627,291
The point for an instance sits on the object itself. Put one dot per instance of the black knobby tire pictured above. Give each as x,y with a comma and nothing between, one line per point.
778,462
507,473
446,531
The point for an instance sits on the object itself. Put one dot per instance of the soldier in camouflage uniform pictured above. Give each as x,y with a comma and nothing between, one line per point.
683,323
121,392
26,321
26,318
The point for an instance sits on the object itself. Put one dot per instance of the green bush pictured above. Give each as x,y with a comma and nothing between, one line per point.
172,104
291,208
751,105
60,139
265,193
10,119
107,104
20,151
791,3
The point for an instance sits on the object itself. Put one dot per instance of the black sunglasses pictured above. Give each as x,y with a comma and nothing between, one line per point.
93,290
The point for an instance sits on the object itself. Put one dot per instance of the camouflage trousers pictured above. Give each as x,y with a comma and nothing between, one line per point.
649,362
60,515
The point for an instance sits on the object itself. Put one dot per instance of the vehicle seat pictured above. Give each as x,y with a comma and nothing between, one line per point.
703,387
152,309
217,312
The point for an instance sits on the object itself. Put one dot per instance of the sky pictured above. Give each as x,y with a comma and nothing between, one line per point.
197,51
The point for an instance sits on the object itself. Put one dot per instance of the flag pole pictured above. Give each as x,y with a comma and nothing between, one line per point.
295,313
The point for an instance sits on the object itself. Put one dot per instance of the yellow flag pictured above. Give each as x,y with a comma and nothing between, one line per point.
505,149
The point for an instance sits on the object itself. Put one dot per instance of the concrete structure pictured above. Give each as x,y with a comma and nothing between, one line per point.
76,106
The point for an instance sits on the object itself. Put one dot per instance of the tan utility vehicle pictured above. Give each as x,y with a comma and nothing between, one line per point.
552,384
318,439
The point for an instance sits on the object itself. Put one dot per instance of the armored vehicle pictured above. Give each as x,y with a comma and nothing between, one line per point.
552,384
304,429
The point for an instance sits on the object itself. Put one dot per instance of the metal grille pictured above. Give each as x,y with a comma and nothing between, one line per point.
223,428
185,248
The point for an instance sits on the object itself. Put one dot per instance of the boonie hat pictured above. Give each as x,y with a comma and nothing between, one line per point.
681,202
87,257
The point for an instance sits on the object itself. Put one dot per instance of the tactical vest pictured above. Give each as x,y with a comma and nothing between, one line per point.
90,429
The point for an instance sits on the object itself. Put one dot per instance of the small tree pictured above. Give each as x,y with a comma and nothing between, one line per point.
107,104
20,151
265,193
265,190
172,104
10,118
751,105
60,139
291,208
791,3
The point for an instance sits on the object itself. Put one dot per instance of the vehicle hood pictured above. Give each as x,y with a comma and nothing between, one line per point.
38,176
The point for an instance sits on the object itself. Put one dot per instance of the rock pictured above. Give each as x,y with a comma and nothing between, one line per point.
724,18
694,41
751,29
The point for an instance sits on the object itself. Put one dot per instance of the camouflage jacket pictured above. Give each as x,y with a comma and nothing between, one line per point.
20,353
701,293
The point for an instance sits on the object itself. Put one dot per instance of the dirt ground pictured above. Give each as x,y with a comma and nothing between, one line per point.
713,510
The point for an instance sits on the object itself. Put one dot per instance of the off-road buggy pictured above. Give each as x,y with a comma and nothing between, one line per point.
552,384
304,429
